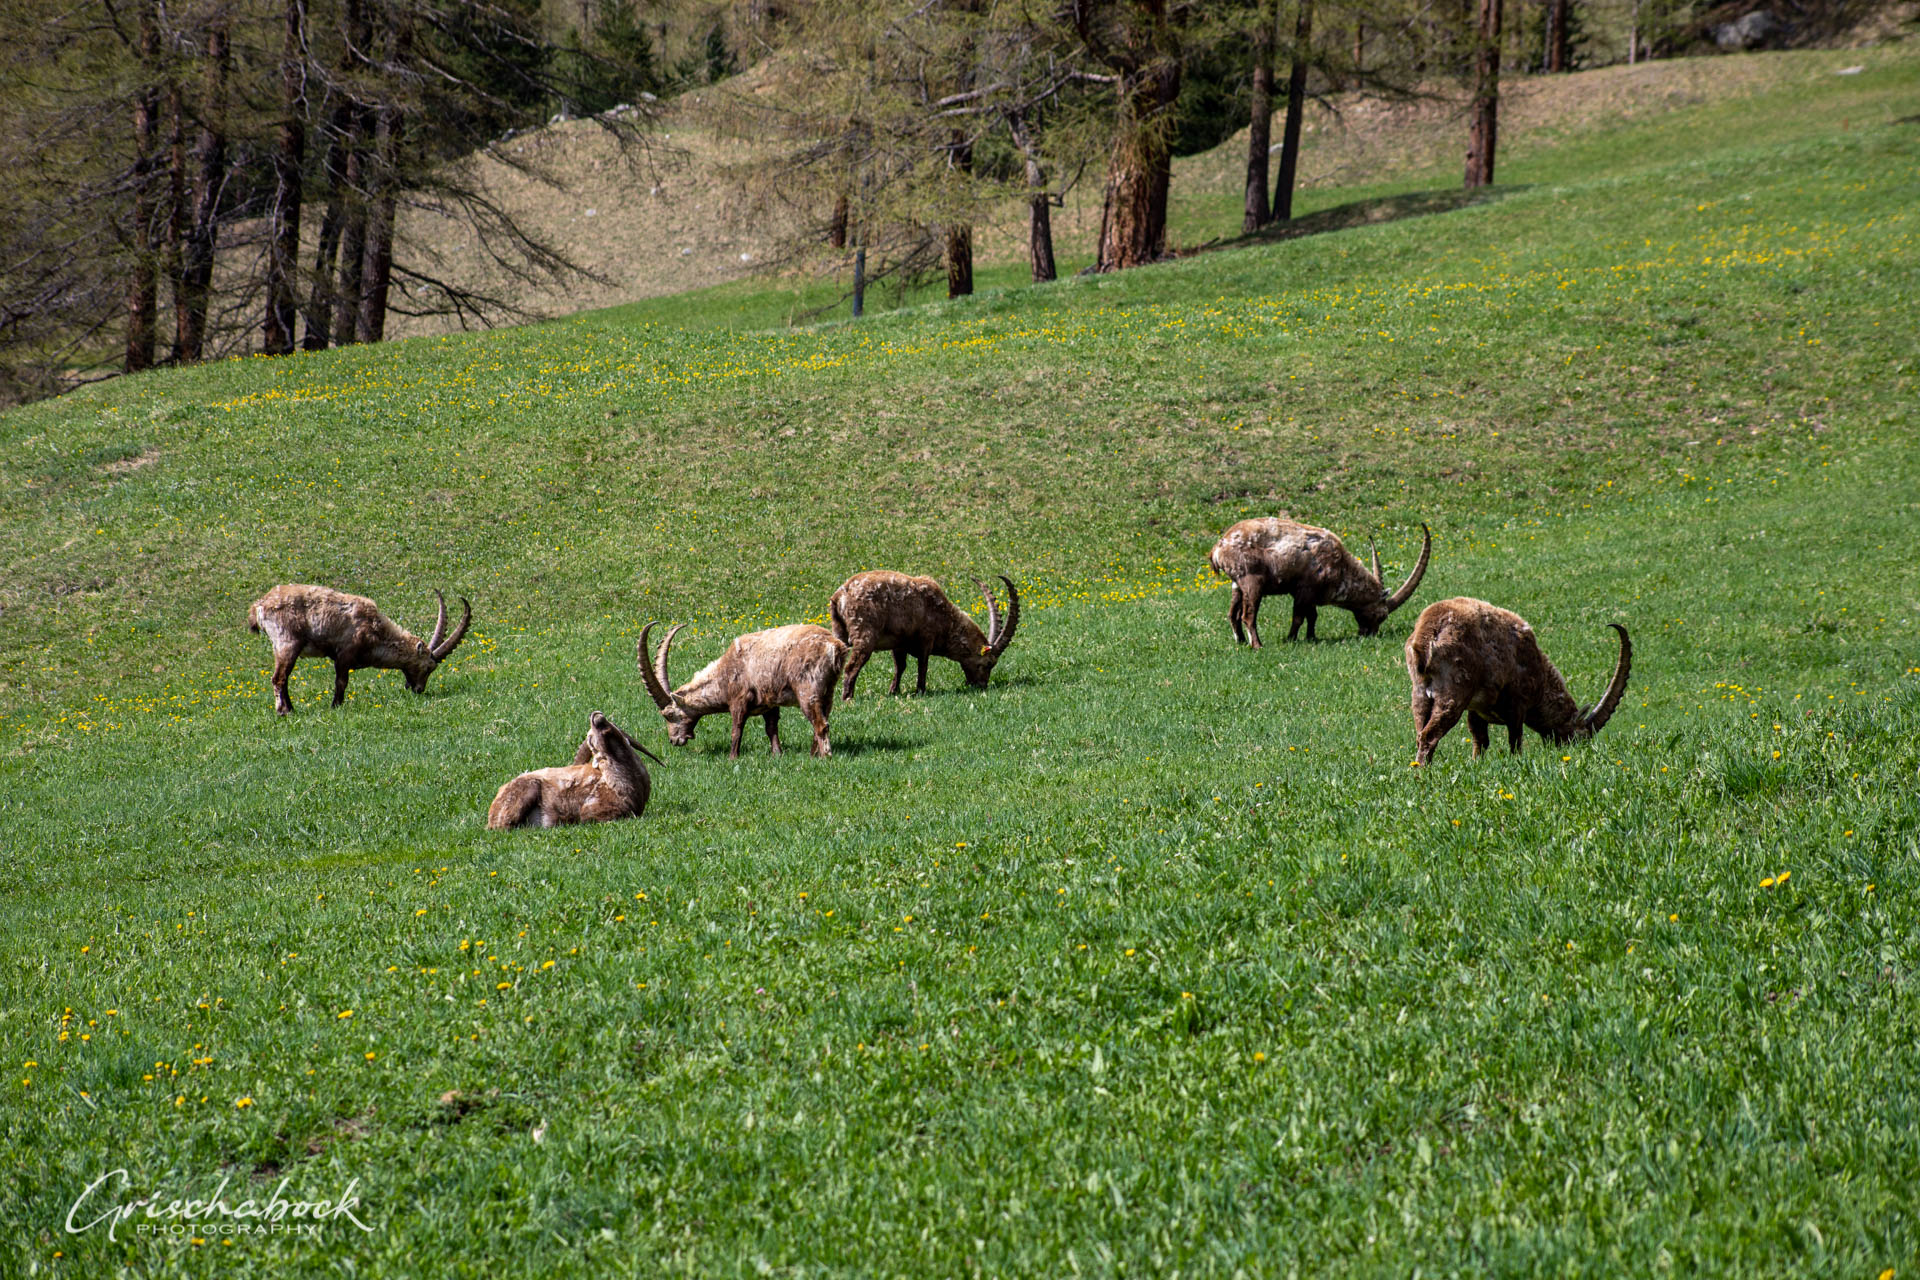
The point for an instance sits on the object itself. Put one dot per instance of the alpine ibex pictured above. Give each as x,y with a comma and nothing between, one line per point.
913,617
759,673
1274,556
605,782
1469,657
318,622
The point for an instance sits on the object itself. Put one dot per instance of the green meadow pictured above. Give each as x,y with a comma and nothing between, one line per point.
1153,958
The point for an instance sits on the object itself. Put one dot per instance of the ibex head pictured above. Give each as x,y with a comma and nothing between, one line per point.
977,663
1372,603
680,721
428,654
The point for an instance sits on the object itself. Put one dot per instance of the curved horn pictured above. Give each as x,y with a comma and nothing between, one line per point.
993,610
1405,593
440,623
637,747
1375,553
660,675
648,676
1592,722
441,650
1000,642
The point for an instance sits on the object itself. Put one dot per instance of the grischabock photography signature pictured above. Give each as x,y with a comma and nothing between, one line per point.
111,1201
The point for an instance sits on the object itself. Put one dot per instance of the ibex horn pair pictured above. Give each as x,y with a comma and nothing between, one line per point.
441,644
654,674
1405,593
999,638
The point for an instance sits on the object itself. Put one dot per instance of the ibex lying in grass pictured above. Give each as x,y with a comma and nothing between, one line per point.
1469,657
1279,557
605,782
912,616
759,673
319,622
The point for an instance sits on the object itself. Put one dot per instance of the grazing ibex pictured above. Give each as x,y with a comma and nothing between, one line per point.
913,617
319,622
1469,657
759,673
605,782
1280,557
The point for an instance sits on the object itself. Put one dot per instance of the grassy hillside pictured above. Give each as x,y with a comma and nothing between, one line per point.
696,210
1154,956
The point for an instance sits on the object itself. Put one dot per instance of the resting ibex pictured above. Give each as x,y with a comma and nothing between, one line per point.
759,673
319,622
605,782
913,617
1469,657
1279,557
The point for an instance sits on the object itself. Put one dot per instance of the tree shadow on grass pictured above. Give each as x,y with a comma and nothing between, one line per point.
1360,213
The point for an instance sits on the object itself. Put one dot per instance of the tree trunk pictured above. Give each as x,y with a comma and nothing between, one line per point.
1039,203
1486,97
1557,35
176,206
289,158
376,275
1258,211
960,234
1633,35
1133,218
353,237
1359,53
959,259
837,224
1296,108
859,281
319,317
142,293
1040,231
353,180
209,184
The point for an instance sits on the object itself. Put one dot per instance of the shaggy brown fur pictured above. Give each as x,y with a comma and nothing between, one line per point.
318,622
1467,657
913,617
1279,557
759,673
605,782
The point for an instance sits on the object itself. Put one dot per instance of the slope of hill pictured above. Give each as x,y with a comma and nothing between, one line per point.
692,214
1154,956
